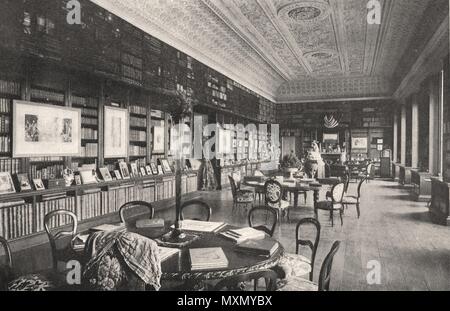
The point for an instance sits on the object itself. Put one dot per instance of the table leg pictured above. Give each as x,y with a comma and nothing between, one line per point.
295,199
316,199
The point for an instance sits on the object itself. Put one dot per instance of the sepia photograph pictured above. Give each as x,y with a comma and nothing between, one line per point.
216,153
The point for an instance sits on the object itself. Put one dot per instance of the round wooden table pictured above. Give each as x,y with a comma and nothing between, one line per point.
178,268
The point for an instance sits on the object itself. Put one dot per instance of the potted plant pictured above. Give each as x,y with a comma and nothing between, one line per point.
291,164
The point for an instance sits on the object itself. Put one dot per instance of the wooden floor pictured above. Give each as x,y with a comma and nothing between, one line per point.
414,253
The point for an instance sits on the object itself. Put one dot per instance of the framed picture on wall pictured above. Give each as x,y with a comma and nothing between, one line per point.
116,132
6,183
359,143
158,139
45,130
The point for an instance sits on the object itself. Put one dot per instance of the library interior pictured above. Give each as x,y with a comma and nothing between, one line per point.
189,145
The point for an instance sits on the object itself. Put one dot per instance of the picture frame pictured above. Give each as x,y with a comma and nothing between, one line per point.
143,171
124,170
165,166
148,170
160,170
88,177
158,139
359,143
134,170
23,182
117,174
77,180
42,130
105,174
154,169
38,184
6,183
115,132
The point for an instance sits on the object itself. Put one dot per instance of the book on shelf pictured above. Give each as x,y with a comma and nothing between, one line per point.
150,223
264,247
207,258
109,227
167,252
201,226
244,234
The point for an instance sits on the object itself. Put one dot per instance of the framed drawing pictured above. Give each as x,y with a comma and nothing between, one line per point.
359,143
166,167
88,177
148,170
116,132
158,139
104,172
77,180
143,172
6,183
160,170
38,184
117,174
23,182
134,170
45,130
154,169
124,170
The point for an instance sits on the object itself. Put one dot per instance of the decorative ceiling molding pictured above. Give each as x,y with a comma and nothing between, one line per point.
306,12
428,63
334,89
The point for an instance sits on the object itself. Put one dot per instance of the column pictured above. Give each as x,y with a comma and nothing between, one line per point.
433,127
395,138
415,132
403,135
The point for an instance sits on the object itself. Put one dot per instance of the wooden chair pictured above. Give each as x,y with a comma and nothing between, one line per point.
60,241
9,281
273,192
300,284
203,205
291,264
354,199
333,203
135,204
238,282
243,198
268,211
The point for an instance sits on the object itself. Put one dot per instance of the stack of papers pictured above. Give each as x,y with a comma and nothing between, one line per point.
244,234
201,226
166,252
150,223
207,258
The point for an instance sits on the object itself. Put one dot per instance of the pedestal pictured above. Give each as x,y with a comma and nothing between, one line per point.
405,175
396,171
439,207
421,182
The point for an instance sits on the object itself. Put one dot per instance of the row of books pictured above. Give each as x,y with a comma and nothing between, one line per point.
89,121
85,102
90,112
135,121
5,144
45,171
11,166
132,60
137,151
138,135
16,221
5,105
47,95
89,133
138,110
9,87
5,123
89,150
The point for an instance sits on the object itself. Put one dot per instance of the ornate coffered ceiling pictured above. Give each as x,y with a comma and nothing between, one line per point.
286,50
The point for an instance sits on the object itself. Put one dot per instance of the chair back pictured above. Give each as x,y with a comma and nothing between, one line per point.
273,192
233,187
369,170
55,235
7,250
309,243
337,192
196,203
135,204
325,270
259,210
233,282
346,180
